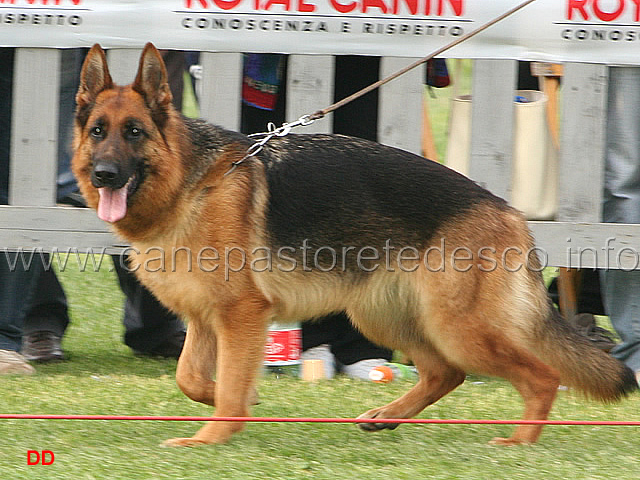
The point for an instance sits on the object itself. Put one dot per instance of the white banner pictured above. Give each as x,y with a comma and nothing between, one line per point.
599,31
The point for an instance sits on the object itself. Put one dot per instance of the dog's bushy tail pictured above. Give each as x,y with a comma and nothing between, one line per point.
582,366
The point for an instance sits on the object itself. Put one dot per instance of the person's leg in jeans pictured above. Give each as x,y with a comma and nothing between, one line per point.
622,205
46,320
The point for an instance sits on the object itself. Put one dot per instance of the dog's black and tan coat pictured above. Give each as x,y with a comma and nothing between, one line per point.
422,259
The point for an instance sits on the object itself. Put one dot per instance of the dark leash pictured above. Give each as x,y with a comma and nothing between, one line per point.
274,131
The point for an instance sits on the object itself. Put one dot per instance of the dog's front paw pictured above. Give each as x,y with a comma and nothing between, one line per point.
375,426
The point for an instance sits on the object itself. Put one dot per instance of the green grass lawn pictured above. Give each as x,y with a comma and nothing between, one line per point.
103,377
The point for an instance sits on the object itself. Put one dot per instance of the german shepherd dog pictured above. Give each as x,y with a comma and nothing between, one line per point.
421,258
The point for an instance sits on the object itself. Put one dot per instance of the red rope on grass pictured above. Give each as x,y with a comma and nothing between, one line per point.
20,416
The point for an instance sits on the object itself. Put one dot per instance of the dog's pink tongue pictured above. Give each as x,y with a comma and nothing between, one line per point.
113,204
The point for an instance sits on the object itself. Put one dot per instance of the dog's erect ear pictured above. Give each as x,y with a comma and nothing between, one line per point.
151,80
94,78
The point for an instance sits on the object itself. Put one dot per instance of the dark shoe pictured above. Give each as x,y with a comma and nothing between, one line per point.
586,325
170,348
42,347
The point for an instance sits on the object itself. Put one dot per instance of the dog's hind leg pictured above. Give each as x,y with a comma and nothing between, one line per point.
436,379
504,354
197,363
538,385
241,332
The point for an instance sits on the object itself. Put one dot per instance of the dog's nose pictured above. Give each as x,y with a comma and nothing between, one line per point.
105,174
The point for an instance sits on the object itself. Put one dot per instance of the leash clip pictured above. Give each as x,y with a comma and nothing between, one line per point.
284,130
272,131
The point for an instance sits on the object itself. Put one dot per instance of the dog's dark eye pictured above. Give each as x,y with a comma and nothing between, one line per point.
133,132
97,132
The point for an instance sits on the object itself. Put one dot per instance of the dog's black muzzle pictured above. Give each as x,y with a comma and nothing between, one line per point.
109,174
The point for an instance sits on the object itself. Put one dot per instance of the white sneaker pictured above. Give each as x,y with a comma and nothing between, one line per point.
362,368
13,363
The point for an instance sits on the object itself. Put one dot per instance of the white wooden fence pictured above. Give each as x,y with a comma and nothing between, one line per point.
32,219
